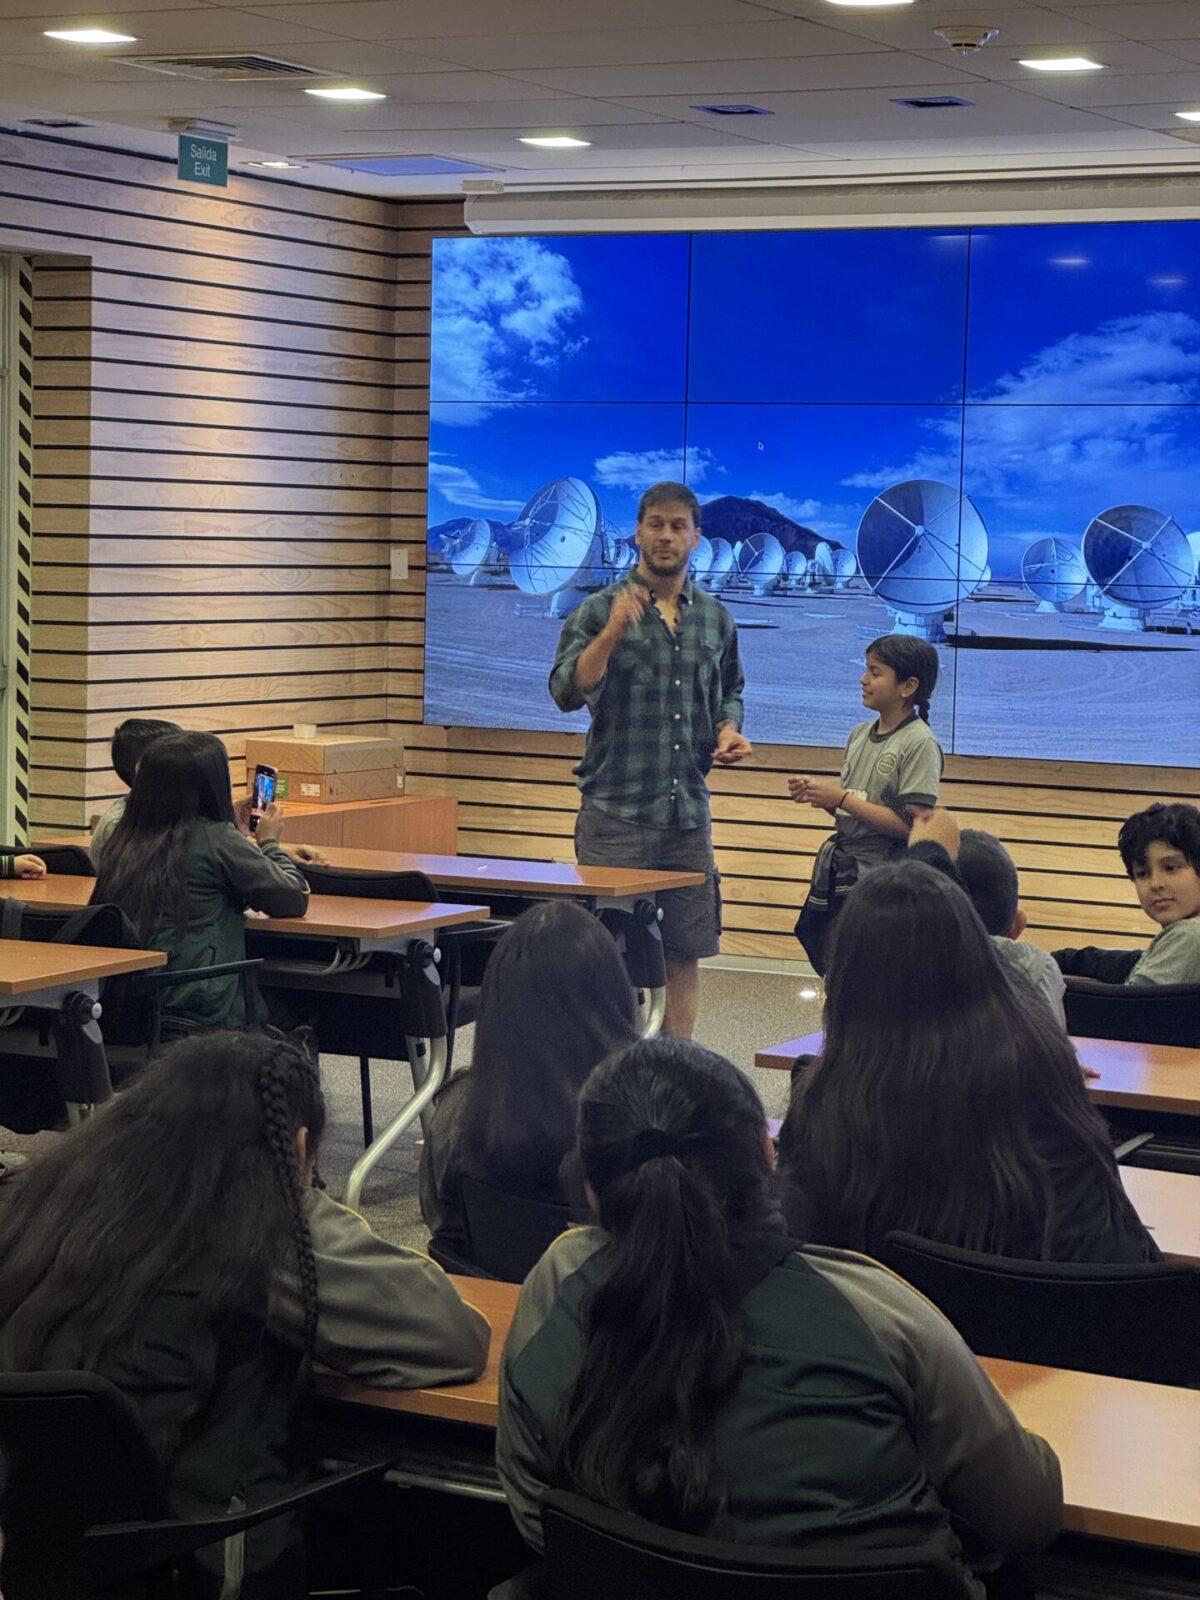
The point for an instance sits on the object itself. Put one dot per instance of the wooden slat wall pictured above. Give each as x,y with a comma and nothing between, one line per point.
232,430
231,422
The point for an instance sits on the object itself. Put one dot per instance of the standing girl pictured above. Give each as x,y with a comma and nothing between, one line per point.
890,776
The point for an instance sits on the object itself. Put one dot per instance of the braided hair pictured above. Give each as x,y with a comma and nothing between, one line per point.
285,1068
909,657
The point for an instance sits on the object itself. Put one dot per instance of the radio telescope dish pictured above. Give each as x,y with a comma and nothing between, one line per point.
558,537
1053,572
820,568
845,568
796,571
721,567
1140,561
1193,599
922,546
760,561
467,549
701,562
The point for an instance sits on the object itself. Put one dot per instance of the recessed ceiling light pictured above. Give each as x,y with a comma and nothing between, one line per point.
875,5
555,141
1063,64
1188,116
347,94
277,166
90,36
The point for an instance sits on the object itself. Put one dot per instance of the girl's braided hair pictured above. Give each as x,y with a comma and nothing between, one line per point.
289,1089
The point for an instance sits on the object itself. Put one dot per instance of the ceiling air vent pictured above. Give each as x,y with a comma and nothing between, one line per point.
933,102
224,66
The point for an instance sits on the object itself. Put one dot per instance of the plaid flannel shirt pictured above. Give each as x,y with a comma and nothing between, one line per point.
656,711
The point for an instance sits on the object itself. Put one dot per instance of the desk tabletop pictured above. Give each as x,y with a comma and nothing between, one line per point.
329,916
1139,1077
532,879
1130,1452
1169,1204
28,965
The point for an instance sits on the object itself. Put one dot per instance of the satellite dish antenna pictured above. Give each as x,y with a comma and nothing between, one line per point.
760,561
1193,600
558,538
821,567
720,569
796,571
1053,572
922,546
468,549
845,568
701,562
1140,561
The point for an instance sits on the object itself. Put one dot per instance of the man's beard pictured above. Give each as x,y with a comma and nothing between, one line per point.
658,570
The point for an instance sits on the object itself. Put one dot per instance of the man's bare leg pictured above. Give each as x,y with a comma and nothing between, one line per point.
683,998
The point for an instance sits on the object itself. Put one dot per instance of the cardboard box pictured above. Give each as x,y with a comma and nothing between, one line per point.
327,787
330,754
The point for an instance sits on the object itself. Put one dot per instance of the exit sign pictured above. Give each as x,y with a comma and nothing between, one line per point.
203,160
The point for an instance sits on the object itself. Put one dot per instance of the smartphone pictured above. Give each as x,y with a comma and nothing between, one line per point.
262,793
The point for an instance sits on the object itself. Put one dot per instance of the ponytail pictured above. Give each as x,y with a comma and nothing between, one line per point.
671,1140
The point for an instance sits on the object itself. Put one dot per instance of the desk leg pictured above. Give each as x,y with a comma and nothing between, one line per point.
430,1084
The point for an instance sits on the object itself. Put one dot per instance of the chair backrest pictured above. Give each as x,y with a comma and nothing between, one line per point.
370,885
1126,1321
509,1233
593,1553
72,860
96,924
77,1455
1143,1013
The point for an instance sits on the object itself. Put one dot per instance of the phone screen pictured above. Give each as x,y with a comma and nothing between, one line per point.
263,794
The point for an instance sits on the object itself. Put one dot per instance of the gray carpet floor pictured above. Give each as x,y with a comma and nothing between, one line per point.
740,1012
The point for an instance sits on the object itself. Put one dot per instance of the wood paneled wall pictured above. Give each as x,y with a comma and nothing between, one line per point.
231,429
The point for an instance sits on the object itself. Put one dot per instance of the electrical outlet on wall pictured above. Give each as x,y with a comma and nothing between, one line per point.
399,566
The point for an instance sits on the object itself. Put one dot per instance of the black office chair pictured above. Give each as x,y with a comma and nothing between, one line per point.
1141,1013
70,860
509,1233
359,1011
639,939
86,1511
593,1553
1125,1321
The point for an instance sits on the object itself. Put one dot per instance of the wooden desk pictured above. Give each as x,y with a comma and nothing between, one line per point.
37,974
1169,1204
1130,1452
1137,1077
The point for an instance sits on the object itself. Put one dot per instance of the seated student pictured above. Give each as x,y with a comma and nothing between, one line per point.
945,1101
1161,851
175,1245
555,1000
981,865
129,742
22,866
179,868
688,1362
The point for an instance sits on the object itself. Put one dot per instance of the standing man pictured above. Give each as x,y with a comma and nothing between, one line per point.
655,660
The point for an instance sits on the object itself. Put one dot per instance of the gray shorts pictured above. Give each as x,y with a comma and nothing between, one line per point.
691,918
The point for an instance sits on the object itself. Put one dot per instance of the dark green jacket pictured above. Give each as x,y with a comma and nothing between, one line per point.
861,1421
227,873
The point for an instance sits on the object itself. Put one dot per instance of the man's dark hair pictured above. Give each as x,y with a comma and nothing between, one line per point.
1177,825
130,740
669,494
989,876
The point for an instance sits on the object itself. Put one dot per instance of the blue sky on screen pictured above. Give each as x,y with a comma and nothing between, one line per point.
865,316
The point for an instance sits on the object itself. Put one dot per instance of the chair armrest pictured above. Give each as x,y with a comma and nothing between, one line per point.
174,975
120,1550
473,932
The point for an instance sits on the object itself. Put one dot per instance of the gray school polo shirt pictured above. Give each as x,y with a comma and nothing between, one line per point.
897,769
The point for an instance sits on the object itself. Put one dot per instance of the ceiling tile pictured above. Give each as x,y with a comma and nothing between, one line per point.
735,80
437,19
1145,19
1115,56
1101,89
912,28
549,115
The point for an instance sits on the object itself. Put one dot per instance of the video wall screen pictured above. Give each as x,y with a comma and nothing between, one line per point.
989,437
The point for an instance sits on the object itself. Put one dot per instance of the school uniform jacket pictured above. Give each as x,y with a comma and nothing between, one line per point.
861,1422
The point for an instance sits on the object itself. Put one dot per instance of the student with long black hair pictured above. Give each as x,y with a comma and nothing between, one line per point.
688,1362
174,1244
556,999
178,866
946,1101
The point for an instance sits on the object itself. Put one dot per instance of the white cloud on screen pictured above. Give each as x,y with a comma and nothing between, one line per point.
1076,424
459,488
786,505
500,308
636,470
